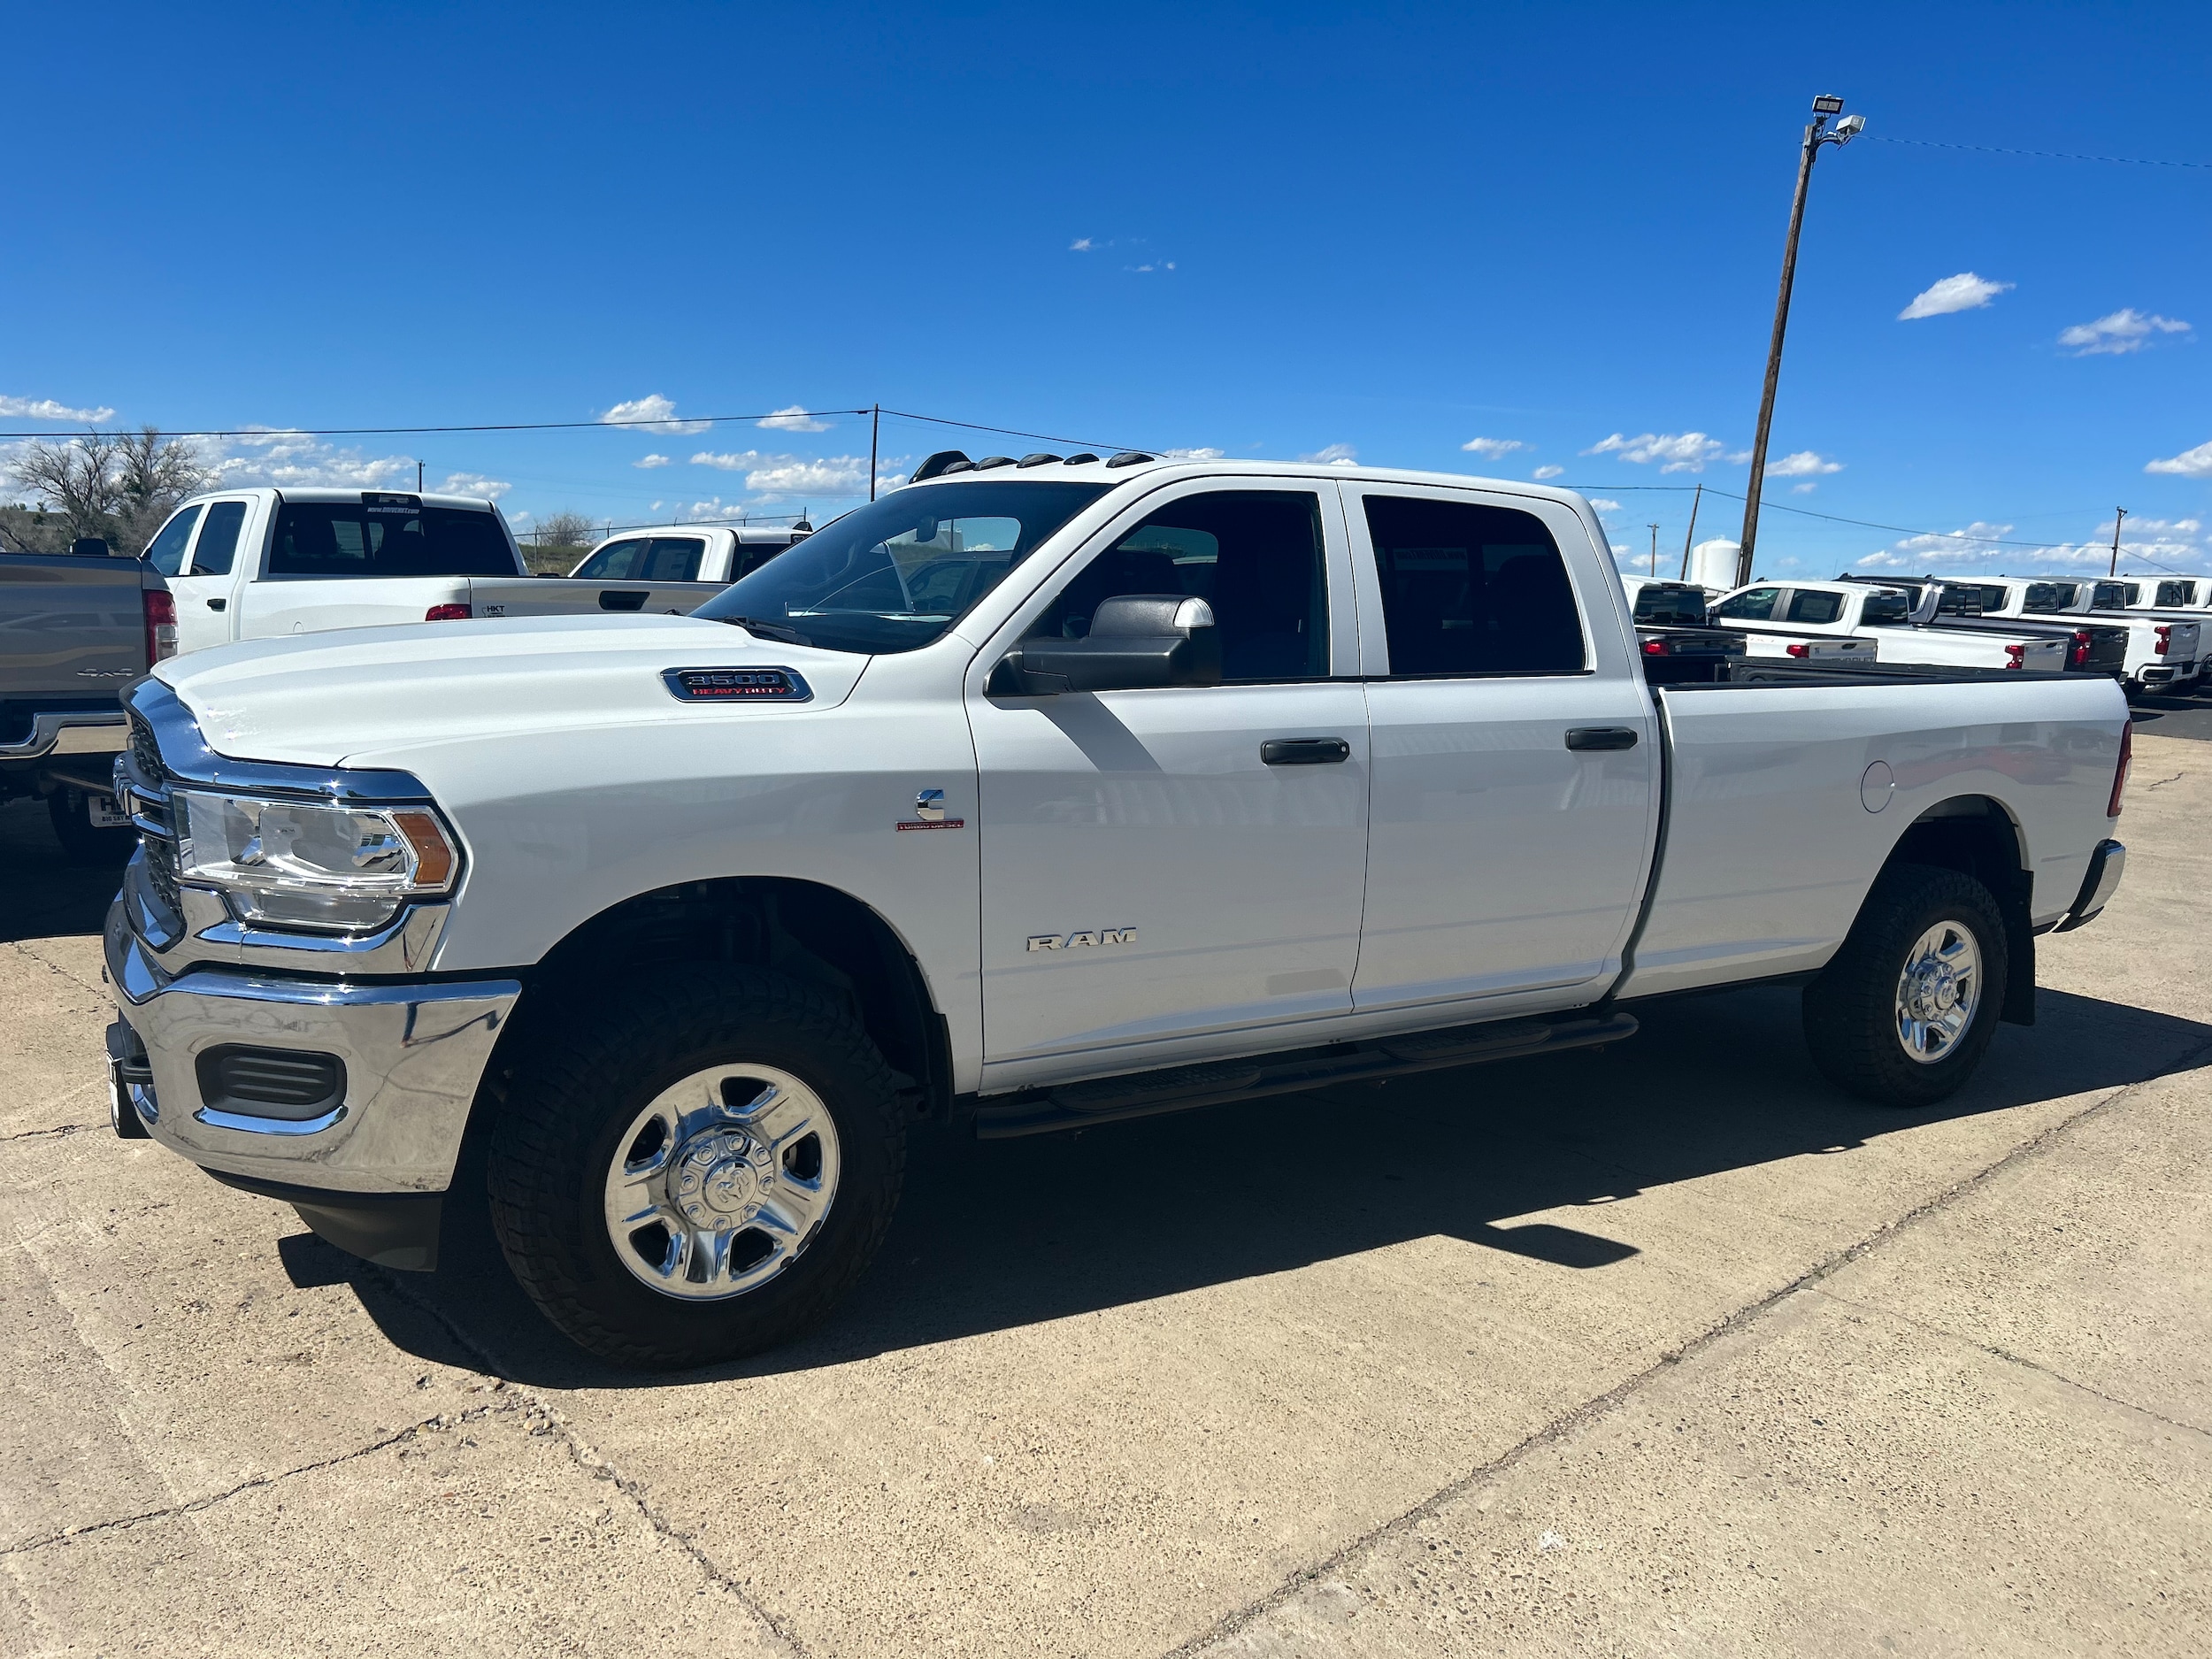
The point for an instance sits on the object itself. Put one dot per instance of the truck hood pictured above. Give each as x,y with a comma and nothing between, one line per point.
341,697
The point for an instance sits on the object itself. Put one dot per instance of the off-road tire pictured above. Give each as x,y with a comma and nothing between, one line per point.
81,843
1850,1012
591,1064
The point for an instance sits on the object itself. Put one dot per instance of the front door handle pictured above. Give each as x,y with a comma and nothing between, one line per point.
1305,751
217,604
1601,737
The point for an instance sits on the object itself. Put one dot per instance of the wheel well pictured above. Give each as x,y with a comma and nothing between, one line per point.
1976,836
828,939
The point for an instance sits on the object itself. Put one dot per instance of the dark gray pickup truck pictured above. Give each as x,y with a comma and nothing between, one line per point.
75,628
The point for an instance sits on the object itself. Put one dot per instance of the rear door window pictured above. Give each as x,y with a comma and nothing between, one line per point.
2110,596
1810,604
386,535
218,546
2047,596
2176,594
1471,589
1754,604
165,552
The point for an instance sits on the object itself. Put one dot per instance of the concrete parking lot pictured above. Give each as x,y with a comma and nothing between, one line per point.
1667,1349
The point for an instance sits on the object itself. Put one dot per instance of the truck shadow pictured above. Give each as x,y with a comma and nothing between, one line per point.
43,896
1010,1234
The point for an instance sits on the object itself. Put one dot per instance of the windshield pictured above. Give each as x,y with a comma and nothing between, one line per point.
894,575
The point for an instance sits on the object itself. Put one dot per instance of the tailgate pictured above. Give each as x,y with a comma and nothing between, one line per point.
567,596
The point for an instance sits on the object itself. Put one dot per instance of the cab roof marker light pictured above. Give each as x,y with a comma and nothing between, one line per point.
1130,457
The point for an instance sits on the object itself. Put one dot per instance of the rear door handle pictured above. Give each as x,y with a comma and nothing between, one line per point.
1601,737
1305,751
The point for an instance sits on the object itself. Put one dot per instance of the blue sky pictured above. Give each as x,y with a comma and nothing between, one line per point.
1375,232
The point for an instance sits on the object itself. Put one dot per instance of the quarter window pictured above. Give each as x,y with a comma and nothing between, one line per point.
1253,554
1470,589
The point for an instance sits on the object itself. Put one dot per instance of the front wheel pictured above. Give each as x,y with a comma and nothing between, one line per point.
697,1169
1903,1012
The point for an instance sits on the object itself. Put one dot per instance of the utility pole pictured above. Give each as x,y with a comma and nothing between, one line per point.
2122,512
1655,552
418,478
875,420
1816,136
1690,534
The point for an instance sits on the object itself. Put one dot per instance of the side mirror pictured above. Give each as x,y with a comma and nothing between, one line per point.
1137,641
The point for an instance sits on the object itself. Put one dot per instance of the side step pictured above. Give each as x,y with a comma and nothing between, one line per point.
1178,1088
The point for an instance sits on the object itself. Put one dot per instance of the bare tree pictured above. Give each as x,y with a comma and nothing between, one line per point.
563,529
118,486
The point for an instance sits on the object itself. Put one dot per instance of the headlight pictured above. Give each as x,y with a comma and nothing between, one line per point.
294,863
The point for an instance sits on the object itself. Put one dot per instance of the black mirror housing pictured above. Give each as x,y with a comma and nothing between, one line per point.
1137,642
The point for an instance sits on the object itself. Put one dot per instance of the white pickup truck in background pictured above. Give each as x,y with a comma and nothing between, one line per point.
259,564
1663,610
712,556
1854,610
1016,801
2164,647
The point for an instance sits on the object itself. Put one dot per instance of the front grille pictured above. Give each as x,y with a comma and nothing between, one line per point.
161,870
147,753
287,1083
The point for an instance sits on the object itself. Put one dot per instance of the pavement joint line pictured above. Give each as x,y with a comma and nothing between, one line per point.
55,1134
55,968
2163,782
2010,1358
593,1463
124,1523
1602,1406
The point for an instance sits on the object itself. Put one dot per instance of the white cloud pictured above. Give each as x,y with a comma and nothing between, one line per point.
654,410
2195,463
781,476
1207,454
47,409
1964,292
795,419
1804,463
1676,452
2176,543
1547,472
1082,244
652,461
1490,448
295,459
474,484
1161,265
1335,455
1803,489
1603,506
2125,330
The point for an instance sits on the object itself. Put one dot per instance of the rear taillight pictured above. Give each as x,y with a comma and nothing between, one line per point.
2165,638
2079,658
1654,647
447,613
2120,773
1800,651
2016,656
161,624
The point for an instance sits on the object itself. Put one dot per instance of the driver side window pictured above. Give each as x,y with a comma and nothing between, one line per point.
1754,604
1255,555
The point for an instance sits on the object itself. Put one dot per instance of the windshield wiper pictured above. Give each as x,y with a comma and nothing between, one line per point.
768,630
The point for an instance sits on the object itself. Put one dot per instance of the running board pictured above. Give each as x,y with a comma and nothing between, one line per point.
1178,1088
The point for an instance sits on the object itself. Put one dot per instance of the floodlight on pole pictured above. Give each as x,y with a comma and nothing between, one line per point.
1826,105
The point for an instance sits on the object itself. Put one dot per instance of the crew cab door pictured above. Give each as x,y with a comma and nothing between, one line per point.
204,588
1515,752
1164,868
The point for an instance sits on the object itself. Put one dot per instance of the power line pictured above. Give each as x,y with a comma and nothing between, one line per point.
2040,154
1010,432
1806,512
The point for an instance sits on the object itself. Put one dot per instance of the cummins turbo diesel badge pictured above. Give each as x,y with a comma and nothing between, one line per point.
735,684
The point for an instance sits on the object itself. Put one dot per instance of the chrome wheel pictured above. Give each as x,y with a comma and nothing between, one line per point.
1939,992
718,1184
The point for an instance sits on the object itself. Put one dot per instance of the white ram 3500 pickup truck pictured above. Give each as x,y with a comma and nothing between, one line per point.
1017,801
263,563
1854,610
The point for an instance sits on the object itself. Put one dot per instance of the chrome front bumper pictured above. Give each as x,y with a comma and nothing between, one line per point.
412,1052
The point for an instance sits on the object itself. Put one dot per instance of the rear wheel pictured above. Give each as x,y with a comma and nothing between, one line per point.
1903,1012
698,1170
